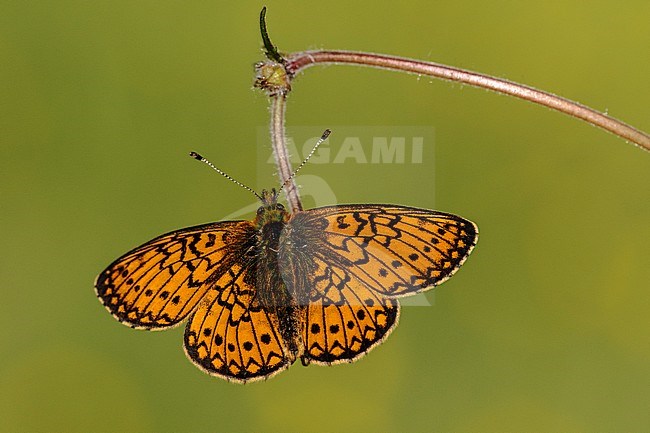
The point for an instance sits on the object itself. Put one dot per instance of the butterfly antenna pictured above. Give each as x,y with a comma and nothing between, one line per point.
226,175
318,143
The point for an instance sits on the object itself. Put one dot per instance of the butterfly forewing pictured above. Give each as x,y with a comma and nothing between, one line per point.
159,283
393,250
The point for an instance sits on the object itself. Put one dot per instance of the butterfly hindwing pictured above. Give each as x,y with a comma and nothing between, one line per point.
393,250
231,336
344,319
158,284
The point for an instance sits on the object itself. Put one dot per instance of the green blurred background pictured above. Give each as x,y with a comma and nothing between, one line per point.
546,327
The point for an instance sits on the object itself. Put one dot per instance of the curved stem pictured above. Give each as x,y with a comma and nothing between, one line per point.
280,152
298,61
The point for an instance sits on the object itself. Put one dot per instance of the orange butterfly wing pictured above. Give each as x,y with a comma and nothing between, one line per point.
231,336
344,319
392,250
349,263
158,284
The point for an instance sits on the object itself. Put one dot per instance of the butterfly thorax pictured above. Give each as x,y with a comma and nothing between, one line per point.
269,223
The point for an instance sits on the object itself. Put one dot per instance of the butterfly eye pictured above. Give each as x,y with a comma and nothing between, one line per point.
260,210
279,206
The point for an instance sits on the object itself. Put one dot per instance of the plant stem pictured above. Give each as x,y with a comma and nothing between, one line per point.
298,61
280,152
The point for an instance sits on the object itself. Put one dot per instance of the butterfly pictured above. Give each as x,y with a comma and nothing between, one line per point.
320,285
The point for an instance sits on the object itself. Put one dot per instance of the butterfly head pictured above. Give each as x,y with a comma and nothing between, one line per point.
270,211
